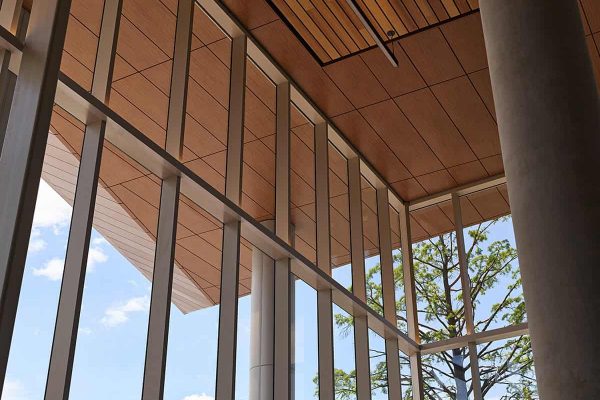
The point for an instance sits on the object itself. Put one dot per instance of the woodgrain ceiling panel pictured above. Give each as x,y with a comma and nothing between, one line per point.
591,9
396,80
409,189
437,181
357,82
393,127
331,30
469,114
465,36
358,131
432,56
432,122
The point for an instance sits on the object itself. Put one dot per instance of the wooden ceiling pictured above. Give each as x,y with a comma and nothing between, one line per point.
427,126
331,30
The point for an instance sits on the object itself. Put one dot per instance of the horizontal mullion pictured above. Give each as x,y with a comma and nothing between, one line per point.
478,338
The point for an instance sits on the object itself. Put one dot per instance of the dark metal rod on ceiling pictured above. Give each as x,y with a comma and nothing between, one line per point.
372,31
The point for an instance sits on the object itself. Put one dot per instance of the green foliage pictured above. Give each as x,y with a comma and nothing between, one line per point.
507,364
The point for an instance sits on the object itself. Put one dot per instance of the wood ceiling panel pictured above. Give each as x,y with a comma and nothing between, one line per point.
493,165
331,30
434,125
432,56
469,114
357,82
465,36
89,13
145,96
393,127
489,203
396,80
592,13
154,20
296,60
373,147
409,189
436,181
434,220
135,48
482,83
469,172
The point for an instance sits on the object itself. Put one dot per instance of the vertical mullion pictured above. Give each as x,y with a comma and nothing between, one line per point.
466,290
179,78
162,278
281,350
392,353
228,309
69,305
9,18
160,301
23,153
71,293
324,301
410,295
361,327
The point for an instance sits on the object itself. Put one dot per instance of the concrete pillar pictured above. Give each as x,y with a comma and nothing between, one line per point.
548,116
262,326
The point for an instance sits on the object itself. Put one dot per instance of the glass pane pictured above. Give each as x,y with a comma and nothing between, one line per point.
193,327
81,42
447,375
142,78
305,343
371,246
302,184
398,270
205,136
258,182
377,360
343,354
339,217
438,285
506,369
36,312
496,292
110,351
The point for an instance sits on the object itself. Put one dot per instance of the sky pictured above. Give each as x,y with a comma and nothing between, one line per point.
109,358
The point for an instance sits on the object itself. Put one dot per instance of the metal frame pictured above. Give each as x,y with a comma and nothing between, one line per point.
23,153
39,78
230,270
361,328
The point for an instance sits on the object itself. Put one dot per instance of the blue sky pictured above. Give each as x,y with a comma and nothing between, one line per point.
109,358
112,332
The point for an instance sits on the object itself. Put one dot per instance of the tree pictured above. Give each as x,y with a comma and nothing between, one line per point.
504,364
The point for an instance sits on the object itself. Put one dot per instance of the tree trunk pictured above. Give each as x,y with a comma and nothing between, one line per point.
458,359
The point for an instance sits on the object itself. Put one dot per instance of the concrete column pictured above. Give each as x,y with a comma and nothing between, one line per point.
548,116
262,326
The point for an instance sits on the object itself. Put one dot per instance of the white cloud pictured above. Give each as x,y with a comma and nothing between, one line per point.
96,256
85,331
202,396
98,241
117,315
37,245
52,270
51,210
14,390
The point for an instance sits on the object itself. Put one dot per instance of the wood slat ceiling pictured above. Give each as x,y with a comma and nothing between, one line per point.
331,30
